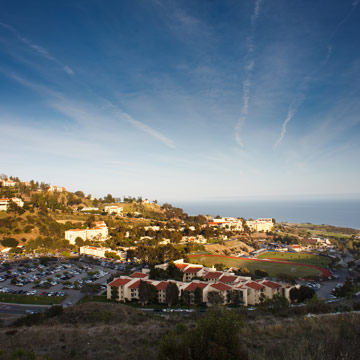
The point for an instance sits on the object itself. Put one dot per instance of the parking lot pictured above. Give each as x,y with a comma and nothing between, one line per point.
54,279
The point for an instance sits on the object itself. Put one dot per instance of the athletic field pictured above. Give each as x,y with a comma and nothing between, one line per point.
303,258
272,267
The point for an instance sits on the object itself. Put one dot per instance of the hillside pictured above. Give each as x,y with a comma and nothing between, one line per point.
110,331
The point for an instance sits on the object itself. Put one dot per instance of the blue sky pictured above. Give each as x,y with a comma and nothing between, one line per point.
182,100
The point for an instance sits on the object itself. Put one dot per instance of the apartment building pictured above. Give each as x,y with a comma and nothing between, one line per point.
228,286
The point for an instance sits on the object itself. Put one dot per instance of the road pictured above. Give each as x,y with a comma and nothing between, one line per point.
17,309
327,286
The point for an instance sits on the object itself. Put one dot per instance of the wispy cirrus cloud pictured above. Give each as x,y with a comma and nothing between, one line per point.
37,48
354,4
248,69
86,114
141,126
300,94
181,22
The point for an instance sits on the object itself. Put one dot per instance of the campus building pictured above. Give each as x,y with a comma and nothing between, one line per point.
209,283
98,233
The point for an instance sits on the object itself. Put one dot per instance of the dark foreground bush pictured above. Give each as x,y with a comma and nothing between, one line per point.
216,336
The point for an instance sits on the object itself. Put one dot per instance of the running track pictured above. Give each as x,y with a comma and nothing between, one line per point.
324,272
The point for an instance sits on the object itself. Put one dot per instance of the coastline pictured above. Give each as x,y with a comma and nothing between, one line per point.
342,213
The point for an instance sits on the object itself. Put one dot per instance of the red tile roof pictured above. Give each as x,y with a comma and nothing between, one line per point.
220,286
271,284
135,285
212,275
192,270
119,282
254,285
162,285
194,285
138,275
228,278
181,266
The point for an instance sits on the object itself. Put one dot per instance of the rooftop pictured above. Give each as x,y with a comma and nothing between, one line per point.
194,285
220,287
212,275
254,285
192,270
119,282
138,275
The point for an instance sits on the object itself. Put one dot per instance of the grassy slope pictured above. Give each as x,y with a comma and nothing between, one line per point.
91,331
114,331
303,258
272,269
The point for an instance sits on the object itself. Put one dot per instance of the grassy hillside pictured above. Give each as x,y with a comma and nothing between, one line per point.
114,331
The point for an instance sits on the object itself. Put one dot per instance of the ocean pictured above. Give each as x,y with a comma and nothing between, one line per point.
345,213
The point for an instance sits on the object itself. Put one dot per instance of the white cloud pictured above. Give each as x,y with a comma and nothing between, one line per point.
87,114
249,67
38,49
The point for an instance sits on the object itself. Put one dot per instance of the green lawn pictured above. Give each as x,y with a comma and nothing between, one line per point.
273,269
31,299
303,258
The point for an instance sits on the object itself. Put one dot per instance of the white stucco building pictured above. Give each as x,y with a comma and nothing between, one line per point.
4,203
113,209
99,232
55,188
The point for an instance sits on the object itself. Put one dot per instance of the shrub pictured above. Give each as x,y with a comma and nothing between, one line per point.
216,336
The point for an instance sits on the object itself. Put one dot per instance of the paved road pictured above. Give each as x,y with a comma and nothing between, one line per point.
17,309
327,286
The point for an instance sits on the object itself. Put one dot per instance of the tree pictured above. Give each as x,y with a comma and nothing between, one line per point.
220,267
244,271
14,208
346,289
114,293
236,298
261,273
275,304
112,255
301,294
90,289
79,241
147,293
10,242
185,297
172,294
90,220
174,272
79,194
109,199
198,296
215,298
216,336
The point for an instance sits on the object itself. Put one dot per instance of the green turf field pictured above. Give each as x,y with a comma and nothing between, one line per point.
303,258
273,269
